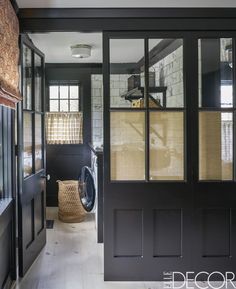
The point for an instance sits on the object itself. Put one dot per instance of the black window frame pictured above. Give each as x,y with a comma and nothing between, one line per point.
146,36
64,83
231,109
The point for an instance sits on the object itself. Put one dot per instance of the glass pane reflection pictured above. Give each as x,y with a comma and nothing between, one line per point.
38,142
166,145
27,78
127,146
127,73
38,82
215,146
215,72
166,86
27,156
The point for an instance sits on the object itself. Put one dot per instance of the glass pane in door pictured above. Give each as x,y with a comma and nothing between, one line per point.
215,73
38,82
127,73
127,145
166,145
166,86
38,142
27,78
28,151
215,145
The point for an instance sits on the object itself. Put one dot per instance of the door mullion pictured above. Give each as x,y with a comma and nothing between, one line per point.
234,105
146,101
191,104
33,112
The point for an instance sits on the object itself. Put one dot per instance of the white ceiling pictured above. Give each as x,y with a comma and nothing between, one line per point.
56,47
124,3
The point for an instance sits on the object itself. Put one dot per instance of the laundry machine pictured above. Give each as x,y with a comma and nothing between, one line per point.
91,190
88,186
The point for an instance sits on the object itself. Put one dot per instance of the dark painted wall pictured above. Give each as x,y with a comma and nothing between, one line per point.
7,204
6,249
65,161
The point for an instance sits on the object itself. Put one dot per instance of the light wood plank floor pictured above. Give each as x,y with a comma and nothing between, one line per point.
72,259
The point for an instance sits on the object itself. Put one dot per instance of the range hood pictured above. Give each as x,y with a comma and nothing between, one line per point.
136,91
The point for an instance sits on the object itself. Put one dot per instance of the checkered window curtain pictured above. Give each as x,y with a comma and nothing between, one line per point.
64,128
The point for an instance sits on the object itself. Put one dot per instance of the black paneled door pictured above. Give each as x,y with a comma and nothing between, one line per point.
31,161
169,159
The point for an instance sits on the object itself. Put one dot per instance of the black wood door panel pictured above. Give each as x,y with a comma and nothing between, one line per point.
32,188
152,227
167,231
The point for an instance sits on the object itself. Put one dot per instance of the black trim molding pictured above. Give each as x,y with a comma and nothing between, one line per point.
122,19
88,13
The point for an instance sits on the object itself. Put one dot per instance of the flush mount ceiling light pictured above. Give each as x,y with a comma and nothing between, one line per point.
81,50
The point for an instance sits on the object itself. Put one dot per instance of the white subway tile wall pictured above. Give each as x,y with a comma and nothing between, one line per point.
169,72
118,86
172,77
97,109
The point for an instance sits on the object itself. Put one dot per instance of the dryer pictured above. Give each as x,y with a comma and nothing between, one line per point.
88,186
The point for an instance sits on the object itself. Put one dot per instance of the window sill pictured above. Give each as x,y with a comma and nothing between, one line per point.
4,203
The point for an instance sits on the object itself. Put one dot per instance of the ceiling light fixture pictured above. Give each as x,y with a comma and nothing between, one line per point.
81,50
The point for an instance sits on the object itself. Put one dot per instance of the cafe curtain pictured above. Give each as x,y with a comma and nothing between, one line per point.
64,128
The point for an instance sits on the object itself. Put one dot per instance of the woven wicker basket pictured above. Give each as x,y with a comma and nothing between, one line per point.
70,207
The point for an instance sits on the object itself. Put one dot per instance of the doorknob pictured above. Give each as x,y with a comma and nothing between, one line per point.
47,177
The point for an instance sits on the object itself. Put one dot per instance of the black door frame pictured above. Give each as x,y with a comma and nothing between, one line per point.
195,193
115,191
24,258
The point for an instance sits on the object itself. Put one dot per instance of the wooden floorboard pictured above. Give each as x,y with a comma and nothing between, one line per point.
72,259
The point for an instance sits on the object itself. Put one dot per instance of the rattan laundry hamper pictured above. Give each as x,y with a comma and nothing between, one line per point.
70,207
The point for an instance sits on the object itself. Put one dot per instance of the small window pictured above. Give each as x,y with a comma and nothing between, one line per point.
64,121
64,98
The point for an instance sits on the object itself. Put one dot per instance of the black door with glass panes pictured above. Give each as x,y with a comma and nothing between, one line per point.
169,156
31,156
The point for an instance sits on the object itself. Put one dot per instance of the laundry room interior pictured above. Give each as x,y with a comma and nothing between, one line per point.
74,112
73,119
117,143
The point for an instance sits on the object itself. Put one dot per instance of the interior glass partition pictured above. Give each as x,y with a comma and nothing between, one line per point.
169,185
147,139
167,109
127,116
215,109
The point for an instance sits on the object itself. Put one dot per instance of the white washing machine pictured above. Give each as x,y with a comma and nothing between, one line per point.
88,186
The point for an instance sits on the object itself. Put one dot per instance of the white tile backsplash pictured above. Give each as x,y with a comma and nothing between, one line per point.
168,72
